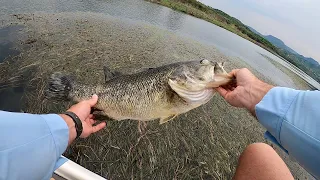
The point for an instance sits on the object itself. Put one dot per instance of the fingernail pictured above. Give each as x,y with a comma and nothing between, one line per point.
94,96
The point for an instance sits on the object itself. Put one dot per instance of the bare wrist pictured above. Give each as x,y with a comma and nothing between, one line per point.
257,91
71,126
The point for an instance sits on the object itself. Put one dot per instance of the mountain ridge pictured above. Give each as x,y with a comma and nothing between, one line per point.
280,44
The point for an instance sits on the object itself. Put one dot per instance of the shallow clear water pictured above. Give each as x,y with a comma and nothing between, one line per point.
165,18
8,36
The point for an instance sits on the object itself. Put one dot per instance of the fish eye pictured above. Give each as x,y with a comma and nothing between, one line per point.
204,61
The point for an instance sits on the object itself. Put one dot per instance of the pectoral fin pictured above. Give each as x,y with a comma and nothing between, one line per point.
166,119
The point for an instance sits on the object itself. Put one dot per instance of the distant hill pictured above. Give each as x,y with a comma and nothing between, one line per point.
280,44
255,31
311,60
274,40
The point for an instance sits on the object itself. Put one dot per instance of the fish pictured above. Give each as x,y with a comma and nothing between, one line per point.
154,93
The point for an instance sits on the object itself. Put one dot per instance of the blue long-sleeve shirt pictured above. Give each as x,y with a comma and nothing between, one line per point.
292,120
31,145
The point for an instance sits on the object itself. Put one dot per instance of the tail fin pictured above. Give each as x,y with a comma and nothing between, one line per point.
59,87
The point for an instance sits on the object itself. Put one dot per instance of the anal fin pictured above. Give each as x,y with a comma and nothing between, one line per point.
166,119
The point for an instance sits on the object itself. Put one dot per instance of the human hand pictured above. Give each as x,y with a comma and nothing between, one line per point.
82,110
247,92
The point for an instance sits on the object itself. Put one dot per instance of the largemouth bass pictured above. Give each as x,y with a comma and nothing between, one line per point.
163,92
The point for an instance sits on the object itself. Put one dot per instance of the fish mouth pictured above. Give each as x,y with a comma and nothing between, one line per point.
220,80
202,92
217,80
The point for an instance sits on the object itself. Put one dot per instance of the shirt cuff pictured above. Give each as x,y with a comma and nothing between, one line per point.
59,131
271,110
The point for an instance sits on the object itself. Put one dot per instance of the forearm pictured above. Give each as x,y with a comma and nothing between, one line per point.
292,118
31,139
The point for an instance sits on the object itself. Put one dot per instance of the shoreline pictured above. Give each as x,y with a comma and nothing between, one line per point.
233,25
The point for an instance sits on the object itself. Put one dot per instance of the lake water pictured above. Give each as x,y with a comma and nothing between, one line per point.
165,18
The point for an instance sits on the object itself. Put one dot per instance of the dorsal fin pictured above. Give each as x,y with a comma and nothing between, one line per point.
141,70
108,74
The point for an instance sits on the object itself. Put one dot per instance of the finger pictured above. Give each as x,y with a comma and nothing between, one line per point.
92,121
230,95
230,86
234,72
223,92
98,127
93,101
90,116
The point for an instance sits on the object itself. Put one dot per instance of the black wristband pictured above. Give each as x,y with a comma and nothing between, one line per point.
77,122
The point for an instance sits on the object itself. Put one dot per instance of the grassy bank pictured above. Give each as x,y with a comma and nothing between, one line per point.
217,17
221,19
298,81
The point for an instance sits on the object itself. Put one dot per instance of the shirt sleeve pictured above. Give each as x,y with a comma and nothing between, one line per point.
292,120
31,145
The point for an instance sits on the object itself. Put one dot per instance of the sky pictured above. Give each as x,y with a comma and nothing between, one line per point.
295,22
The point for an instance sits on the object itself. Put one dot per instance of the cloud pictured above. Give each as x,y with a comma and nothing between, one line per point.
293,21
